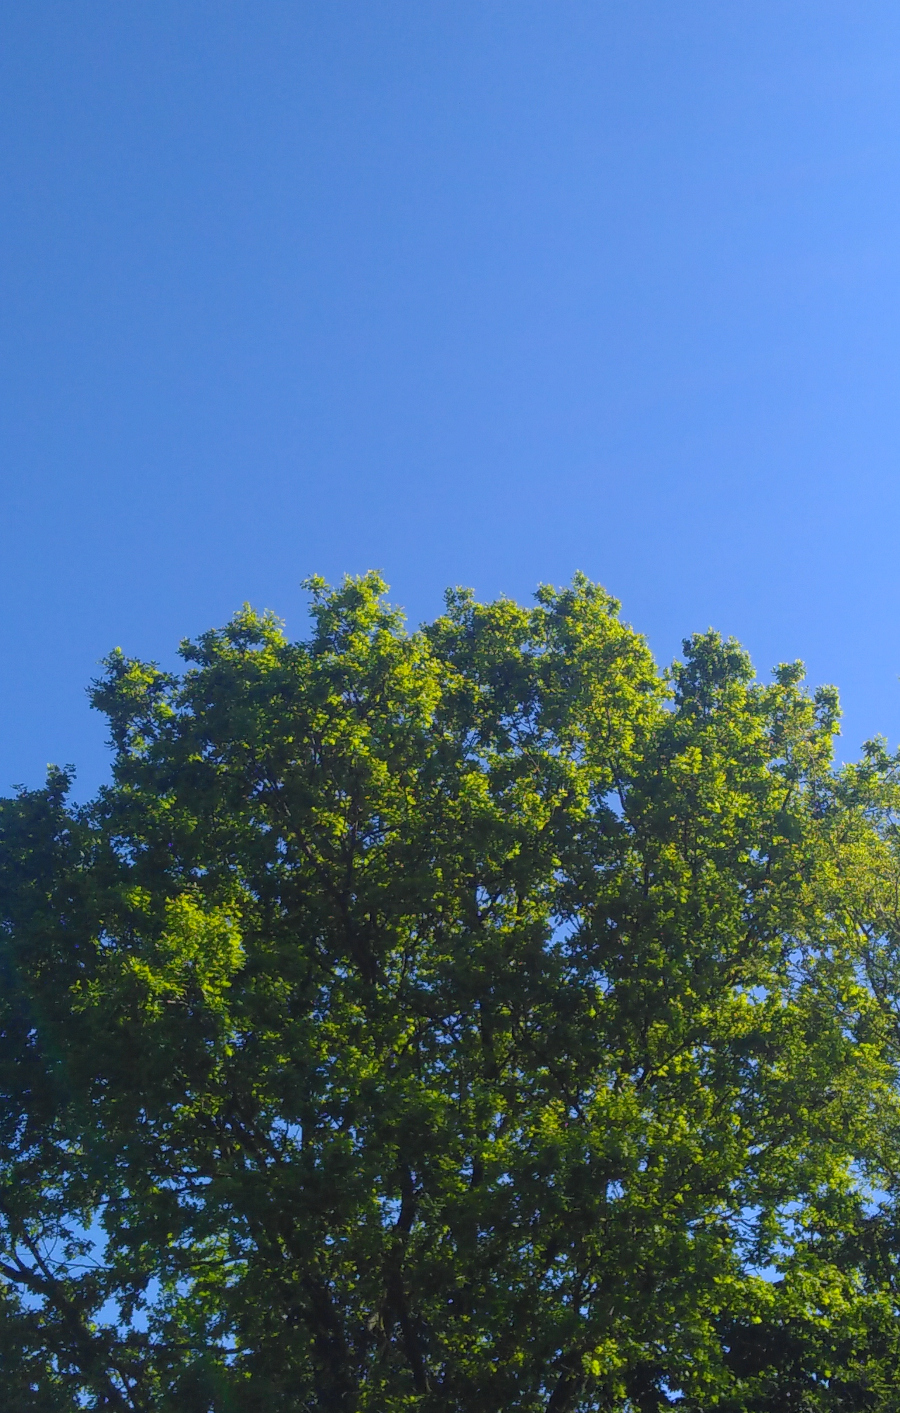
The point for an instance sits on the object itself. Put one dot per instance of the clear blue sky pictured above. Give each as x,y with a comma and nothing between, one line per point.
476,293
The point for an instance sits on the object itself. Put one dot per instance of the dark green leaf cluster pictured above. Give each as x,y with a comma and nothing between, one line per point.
468,1020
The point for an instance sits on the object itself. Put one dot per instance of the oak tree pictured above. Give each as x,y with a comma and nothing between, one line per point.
462,1020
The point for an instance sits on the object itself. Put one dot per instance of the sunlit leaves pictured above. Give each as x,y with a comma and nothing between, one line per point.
468,1019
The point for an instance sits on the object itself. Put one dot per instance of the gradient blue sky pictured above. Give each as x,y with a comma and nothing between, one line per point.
476,293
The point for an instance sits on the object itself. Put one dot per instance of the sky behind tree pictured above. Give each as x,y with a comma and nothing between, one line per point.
471,293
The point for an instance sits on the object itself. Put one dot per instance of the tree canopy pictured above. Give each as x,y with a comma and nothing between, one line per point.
464,1020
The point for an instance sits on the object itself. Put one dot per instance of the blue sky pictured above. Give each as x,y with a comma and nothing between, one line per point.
477,293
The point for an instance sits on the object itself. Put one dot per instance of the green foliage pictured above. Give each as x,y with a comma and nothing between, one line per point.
468,1020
